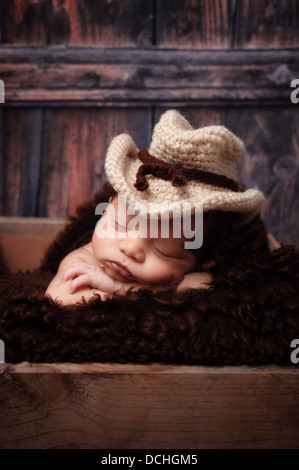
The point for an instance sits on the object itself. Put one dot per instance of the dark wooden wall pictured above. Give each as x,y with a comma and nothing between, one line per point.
78,72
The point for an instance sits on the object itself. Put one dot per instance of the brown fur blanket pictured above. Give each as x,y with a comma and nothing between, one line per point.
249,315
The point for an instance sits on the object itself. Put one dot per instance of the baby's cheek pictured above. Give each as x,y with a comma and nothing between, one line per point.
178,268
100,230
159,271
97,246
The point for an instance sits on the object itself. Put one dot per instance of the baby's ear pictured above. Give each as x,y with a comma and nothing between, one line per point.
110,199
208,264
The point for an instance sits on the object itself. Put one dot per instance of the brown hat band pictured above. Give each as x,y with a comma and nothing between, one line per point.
178,175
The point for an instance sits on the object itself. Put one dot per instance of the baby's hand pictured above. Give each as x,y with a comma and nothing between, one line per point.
89,275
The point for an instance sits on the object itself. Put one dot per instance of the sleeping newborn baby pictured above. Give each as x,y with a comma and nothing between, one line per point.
117,260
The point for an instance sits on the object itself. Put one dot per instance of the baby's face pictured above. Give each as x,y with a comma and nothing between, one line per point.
142,259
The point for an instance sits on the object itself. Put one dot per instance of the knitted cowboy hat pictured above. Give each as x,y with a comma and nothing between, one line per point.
182,165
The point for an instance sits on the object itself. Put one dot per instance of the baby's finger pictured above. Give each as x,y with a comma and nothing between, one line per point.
73,272
69,274
78,283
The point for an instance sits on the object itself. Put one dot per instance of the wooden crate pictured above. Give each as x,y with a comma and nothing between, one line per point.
130,406
24,240
111,406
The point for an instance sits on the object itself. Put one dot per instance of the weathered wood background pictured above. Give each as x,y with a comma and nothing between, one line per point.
78,73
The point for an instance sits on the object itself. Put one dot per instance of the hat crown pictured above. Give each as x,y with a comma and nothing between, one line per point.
200,168
212,148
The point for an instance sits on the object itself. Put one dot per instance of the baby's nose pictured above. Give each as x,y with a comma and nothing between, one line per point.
134,248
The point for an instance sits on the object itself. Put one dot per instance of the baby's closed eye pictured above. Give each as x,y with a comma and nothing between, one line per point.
164,252
168,248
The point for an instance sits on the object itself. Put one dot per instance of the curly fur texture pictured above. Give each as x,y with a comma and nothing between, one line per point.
249,315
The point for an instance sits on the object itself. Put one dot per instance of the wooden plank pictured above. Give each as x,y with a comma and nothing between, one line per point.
12,161
91,77
74,148
2,177
21,163
210,24
31,225
82,55
146,77
272,25
53,197
193,24
155,406
125,23
60,162
150,97
271,164
32,128
24,22
221,24
24,240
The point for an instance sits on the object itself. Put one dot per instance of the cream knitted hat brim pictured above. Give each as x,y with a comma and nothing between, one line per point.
212,149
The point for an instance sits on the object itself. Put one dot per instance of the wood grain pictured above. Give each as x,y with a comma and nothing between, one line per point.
60,163
144,76
221,24
156,406
74,148
15,15
21,163
109,23
11,161
2,177
271,164
53,159
267,24
194,24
